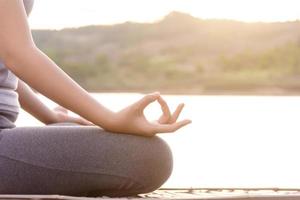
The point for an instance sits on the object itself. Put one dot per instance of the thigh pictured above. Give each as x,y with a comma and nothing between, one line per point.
67,159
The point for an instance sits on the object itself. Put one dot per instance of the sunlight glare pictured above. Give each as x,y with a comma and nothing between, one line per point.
57,14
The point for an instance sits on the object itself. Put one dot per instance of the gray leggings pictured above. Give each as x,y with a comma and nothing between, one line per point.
69,159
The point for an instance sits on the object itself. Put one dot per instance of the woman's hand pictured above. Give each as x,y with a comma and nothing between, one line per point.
61,115
131,120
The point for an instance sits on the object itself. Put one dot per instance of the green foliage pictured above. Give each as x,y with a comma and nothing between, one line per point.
180,54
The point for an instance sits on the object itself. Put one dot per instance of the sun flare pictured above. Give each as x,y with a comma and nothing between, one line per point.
57,14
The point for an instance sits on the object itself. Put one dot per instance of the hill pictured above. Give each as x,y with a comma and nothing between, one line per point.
180,54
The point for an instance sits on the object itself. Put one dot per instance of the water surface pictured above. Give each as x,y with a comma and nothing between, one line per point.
234,141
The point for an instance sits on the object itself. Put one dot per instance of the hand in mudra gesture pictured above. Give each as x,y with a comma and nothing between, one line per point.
132,120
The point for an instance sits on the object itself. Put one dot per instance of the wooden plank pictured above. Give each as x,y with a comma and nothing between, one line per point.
44,197
180,197
173,194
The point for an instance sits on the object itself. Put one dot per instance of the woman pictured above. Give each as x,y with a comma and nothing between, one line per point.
65,157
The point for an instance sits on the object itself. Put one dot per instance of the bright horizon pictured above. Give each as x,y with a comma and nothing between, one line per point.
58,14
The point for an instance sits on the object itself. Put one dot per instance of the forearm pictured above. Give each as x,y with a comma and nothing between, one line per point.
42,74
33,105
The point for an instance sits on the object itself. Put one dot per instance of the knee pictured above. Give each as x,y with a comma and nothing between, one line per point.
158,164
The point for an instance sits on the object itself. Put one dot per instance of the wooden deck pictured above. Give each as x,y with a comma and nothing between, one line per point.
201,194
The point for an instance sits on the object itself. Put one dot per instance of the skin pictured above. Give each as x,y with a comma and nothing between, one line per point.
36,70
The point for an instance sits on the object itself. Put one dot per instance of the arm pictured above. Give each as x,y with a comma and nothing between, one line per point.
33,105
30,103
21,56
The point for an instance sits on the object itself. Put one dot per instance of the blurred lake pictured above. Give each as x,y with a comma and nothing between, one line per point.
234,141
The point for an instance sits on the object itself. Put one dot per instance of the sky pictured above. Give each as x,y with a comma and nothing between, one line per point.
58,14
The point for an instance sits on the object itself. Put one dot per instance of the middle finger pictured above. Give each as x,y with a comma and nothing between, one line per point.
176,113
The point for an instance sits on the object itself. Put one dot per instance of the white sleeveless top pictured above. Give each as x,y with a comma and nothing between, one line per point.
8,81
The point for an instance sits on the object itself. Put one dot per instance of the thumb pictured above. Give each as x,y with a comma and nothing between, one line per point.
146,100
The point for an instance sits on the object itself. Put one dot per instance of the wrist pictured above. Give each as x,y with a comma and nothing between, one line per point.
109,121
